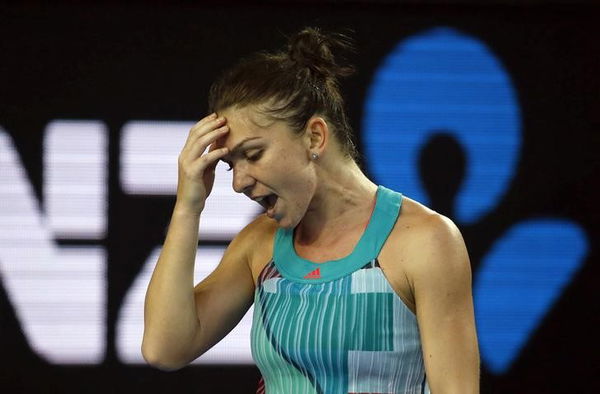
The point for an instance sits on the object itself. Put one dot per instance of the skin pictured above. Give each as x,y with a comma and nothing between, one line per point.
329,202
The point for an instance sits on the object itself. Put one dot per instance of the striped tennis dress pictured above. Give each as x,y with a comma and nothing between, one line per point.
337,326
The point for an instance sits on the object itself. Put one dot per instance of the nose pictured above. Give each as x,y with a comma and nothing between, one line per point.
242,181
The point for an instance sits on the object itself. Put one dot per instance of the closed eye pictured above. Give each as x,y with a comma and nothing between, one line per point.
254,156
250,157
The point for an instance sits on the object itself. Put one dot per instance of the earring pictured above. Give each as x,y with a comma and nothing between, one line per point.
314,156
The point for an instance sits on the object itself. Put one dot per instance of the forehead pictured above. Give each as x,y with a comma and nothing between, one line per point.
246,122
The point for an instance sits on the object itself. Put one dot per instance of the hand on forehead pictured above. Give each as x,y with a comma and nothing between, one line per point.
219,143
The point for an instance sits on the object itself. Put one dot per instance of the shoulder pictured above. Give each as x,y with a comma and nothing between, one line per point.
430,243
255,242
420,224
254,234
259,229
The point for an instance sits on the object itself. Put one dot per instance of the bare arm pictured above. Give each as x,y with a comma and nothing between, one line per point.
441,279
181,322
170,321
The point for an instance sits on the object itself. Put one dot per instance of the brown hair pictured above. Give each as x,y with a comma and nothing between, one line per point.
292,85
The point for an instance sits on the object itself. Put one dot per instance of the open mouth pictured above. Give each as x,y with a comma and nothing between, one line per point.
268,201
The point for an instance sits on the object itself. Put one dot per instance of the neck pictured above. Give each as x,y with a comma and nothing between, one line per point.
344,198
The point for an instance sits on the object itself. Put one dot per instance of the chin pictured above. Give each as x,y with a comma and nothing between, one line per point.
286,222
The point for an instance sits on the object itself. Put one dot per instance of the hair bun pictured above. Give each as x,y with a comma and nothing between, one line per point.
312,49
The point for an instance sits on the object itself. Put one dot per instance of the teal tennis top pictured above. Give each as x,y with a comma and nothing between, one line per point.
337,326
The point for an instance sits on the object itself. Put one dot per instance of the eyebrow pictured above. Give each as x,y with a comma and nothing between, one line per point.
238,147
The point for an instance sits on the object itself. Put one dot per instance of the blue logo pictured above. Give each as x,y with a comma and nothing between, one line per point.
442,85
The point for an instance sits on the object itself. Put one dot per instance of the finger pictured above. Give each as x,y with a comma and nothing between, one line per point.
199,146
208,132
202,122
206,125
208,161
219,142
206,119
202,127
203,134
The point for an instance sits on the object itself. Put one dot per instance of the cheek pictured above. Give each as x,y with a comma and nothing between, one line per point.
291,169
303,189
299,177
288,166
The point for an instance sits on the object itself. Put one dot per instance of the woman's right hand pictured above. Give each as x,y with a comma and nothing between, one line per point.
195,167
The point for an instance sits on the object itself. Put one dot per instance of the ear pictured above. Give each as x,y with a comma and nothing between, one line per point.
317,132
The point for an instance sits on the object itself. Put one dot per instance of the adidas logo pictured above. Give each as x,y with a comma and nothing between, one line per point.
316,274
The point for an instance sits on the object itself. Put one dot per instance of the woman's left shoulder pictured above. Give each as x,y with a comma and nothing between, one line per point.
426,239
423,245
418,221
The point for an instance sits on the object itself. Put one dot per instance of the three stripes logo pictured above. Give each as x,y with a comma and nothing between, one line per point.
316,274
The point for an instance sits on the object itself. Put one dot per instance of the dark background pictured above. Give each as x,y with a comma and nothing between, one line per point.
156,61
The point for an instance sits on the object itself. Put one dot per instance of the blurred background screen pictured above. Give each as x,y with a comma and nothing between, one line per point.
488,112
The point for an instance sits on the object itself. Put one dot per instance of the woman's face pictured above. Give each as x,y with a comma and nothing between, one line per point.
270,163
